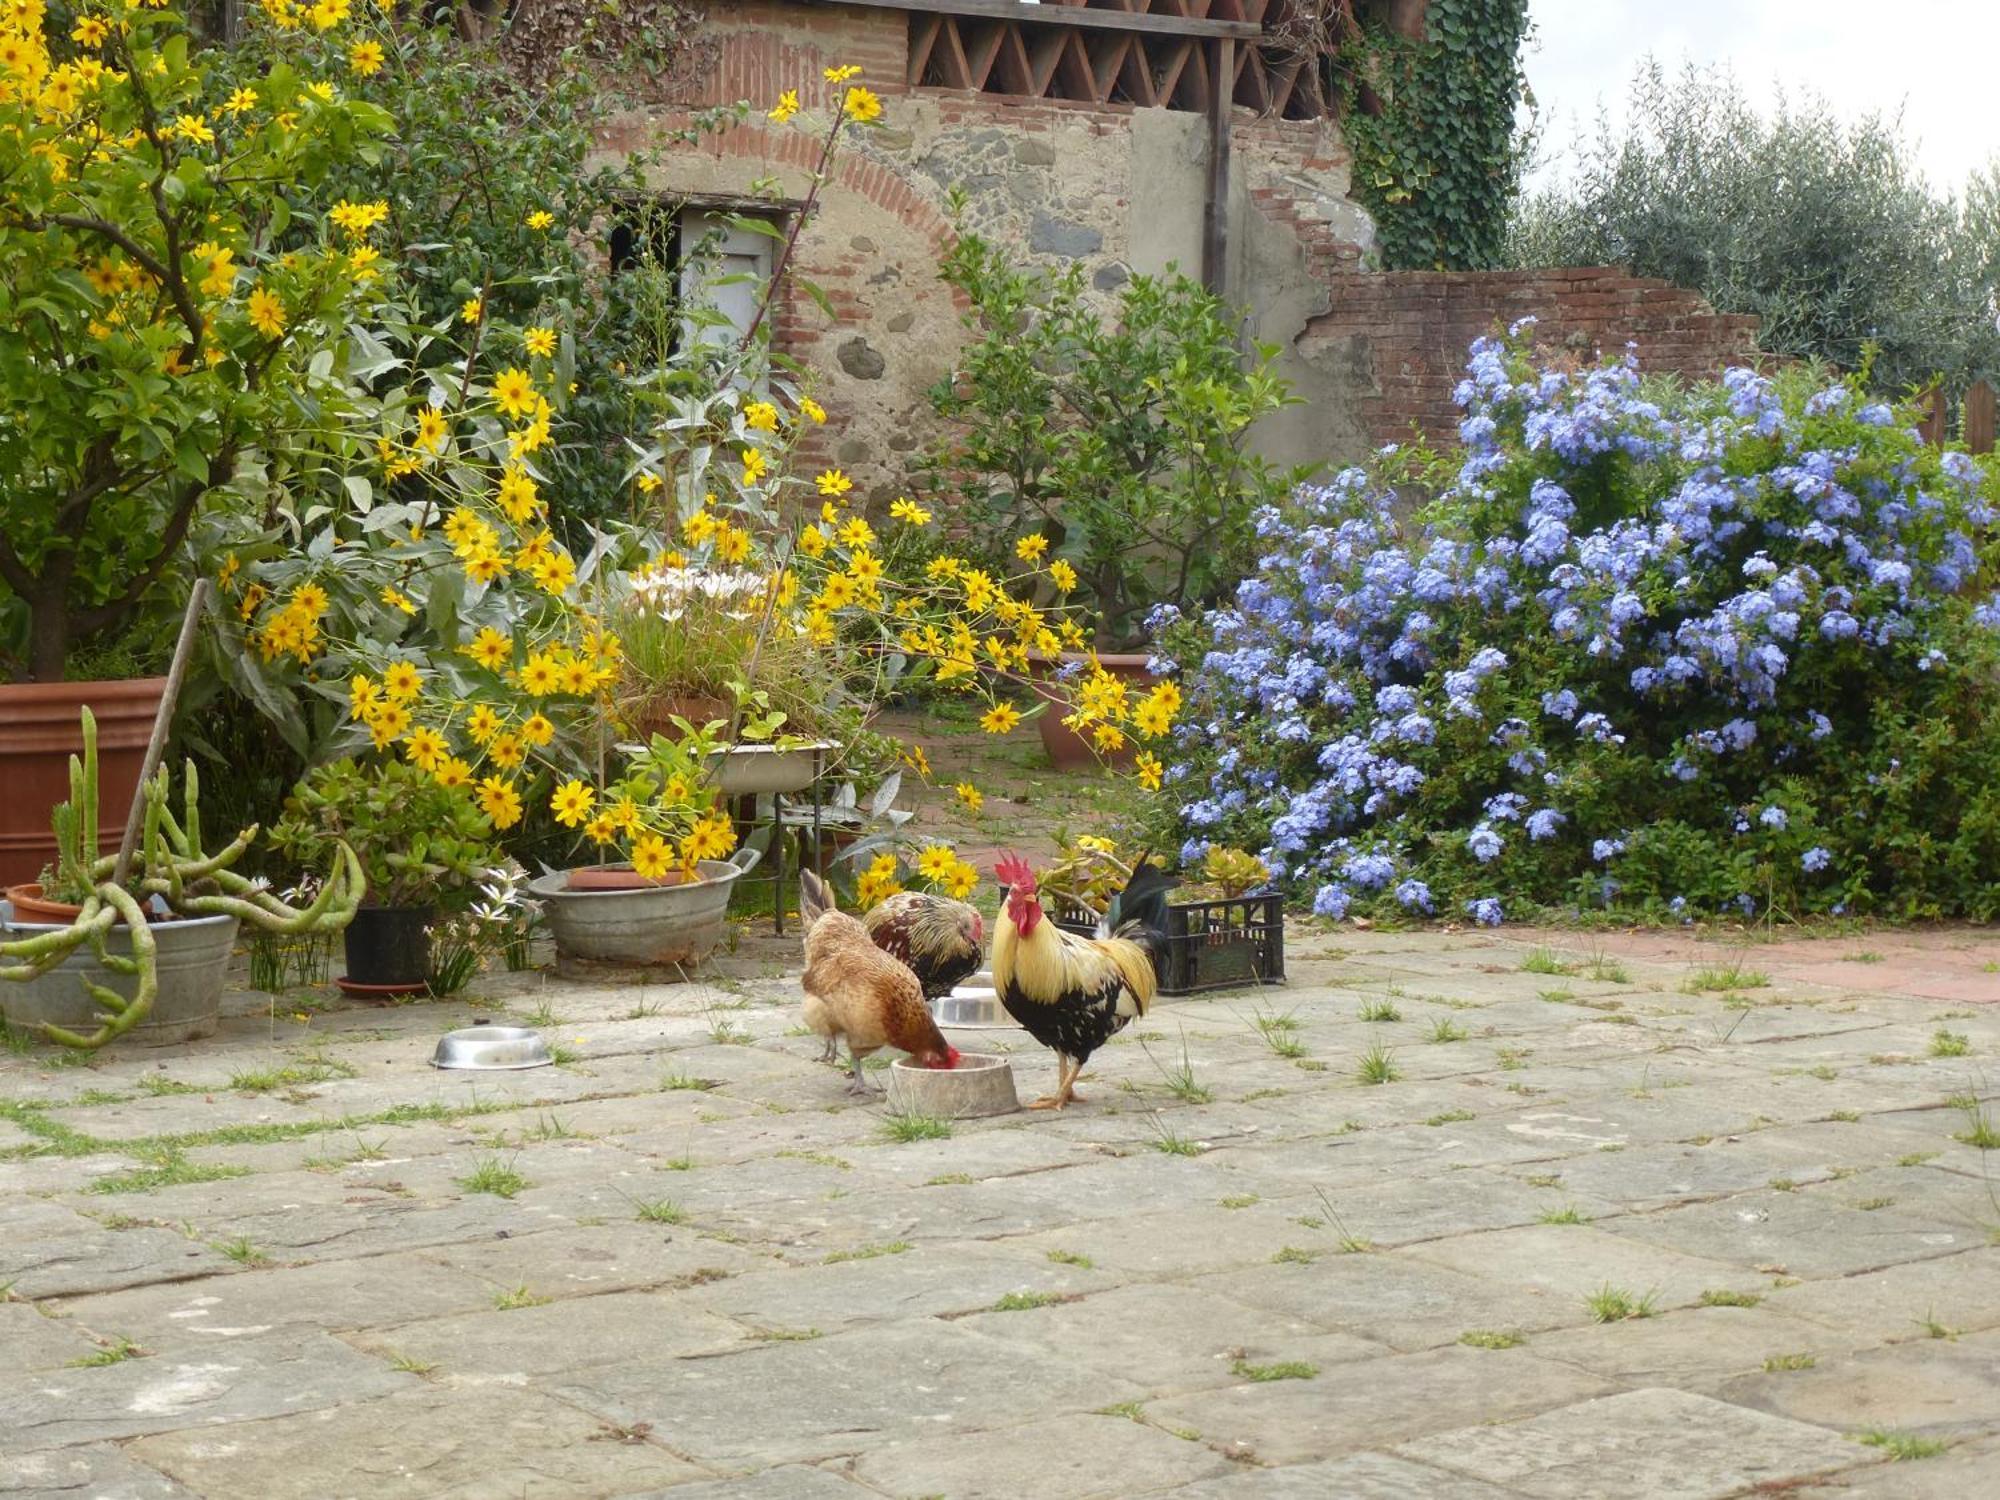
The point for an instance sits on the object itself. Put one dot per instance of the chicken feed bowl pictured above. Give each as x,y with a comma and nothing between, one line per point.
491,1049
981,1084
973,1006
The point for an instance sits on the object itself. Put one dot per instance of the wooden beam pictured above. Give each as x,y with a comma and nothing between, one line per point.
1215,208
1064,15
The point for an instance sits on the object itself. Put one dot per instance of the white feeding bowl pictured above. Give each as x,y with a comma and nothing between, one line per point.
973,1006
981,1084
491,1049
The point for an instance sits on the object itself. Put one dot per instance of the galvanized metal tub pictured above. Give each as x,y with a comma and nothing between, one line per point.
657,925
193,960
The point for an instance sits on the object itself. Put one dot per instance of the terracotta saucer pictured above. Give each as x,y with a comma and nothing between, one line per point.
378,992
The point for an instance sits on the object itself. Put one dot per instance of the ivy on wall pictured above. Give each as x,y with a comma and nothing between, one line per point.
1431,126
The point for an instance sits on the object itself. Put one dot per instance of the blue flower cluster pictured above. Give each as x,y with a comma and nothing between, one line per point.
1674,649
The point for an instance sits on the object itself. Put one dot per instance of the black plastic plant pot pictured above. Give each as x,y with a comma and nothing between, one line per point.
388,946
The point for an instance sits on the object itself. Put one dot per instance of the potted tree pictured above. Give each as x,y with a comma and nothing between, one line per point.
423,847
1110,452
147,947
157,348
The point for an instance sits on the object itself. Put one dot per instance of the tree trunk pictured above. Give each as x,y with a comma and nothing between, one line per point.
48,633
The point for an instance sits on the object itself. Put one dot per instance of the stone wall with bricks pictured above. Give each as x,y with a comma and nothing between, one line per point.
1403,335
1120,189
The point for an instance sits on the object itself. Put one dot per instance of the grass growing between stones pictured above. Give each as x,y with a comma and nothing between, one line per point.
1444,1029
1026,1301
243,1252
1980,1130
116,1352
1166,1139
1721,977
1902,1447
1071,1258
491,1175
1779,1364
1610,1304
1284,1370
1949,1043
1493,1338
905,1128
1727,1297
872,1252
310,1070
175,1172
1451,1117
659,1211
408,1364
1545,961
1569,1213
1376,1065
1380,1010
520,1296
1180,1078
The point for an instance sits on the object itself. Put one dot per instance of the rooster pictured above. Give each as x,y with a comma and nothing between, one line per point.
858,994
940,939
1073,993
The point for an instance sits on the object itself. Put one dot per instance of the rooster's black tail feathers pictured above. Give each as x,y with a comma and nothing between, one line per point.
1139,912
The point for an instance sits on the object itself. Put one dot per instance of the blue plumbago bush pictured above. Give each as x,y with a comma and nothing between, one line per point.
1732,648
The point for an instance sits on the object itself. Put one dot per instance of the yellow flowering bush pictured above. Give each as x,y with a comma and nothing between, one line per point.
177,310
420,591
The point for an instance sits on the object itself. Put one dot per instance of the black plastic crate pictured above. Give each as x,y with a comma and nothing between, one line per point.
1219,945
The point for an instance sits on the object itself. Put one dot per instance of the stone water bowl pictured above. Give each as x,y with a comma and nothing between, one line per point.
981,1084
491,1049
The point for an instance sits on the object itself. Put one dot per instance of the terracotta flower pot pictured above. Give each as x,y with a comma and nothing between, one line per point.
698,709
40,728
619,878
1069,750
29,905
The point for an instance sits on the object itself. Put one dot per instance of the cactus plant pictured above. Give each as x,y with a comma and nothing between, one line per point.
171,864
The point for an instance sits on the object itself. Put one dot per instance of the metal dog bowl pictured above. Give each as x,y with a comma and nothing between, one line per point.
491,1049
981,1084
973,1006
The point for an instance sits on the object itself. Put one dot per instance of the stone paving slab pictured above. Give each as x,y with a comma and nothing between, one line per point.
245,1381
1366,1476
1374,1403
91,1472
1663,1444
843,1394
328,1297
1896,1303
1932,1385
1575,1260
1069,1458
31,1339
486,1442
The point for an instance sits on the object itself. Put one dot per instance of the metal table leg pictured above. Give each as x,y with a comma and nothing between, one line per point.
778,863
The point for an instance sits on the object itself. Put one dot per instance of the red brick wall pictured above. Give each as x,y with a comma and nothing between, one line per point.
1405,333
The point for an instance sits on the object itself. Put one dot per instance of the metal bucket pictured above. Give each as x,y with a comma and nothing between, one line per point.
669,924
193,960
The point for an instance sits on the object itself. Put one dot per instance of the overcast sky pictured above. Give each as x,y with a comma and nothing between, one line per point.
1935,60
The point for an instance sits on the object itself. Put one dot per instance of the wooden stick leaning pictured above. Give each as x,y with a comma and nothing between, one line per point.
156,747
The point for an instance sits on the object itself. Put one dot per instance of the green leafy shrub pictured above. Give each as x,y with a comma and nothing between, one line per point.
1120,439
420,842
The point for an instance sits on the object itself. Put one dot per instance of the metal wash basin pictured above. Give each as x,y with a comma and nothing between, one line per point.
491,1049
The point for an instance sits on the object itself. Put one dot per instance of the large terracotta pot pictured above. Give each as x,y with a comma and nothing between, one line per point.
39,731
1069,750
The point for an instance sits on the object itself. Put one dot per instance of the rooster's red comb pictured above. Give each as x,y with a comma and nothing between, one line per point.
1012,870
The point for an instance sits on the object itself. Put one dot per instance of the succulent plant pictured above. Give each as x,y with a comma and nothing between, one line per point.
170,863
